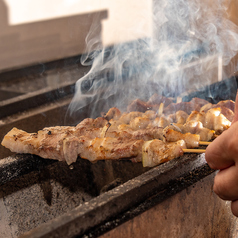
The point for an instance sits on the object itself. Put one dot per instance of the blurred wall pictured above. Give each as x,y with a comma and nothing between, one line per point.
38,31
233,16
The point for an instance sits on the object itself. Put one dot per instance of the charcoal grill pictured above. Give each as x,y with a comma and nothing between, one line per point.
46,198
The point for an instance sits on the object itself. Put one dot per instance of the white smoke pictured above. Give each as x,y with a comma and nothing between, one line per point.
189,38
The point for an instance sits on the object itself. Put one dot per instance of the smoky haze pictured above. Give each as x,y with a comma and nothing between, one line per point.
191,43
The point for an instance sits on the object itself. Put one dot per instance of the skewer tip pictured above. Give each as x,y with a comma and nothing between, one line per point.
204,143
194,151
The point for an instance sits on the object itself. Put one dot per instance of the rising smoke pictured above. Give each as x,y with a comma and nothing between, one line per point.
191,40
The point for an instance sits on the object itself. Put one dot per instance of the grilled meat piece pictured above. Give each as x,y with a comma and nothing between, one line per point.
228,113
206,107
110,148
199,101
197,116
90,127
149,134
61,144
227,108
156,152
228,104
213,119
113,113
150,114
139,123
196,127
139,105
161,122
153,103
117,130
191,140
156,99
47,143
187,107
127,117
58,142
179,117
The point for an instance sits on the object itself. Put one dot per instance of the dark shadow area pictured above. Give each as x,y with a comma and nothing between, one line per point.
49,189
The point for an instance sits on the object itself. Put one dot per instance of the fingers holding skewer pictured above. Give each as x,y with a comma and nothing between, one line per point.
222,155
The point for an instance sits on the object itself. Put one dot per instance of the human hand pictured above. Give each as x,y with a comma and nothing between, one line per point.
222,155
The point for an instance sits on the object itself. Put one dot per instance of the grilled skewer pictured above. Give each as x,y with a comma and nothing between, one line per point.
123,135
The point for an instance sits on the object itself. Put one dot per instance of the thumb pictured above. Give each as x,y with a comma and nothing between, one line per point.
236,110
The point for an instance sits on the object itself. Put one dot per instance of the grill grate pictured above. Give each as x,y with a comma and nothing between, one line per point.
93,213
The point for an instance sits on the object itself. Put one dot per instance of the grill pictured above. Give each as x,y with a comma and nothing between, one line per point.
46,198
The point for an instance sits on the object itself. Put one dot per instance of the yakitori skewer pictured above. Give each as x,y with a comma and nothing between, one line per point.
197,150
205,142
194,150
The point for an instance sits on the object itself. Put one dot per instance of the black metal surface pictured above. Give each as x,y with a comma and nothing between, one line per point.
4,95
16,102
19,165
39,69
112,208
35,99
223,90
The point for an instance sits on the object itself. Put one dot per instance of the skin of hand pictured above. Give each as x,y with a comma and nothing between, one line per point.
222,155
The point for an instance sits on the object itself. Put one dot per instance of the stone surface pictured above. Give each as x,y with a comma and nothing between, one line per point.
194,212
56,189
